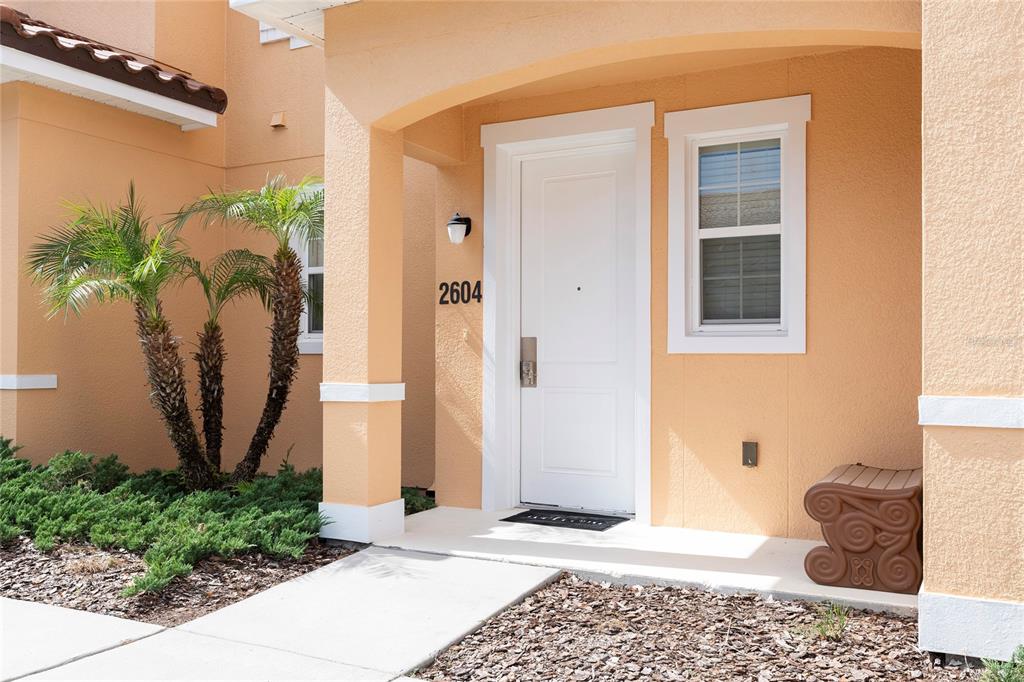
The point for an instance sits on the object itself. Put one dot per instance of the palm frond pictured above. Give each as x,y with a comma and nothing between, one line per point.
231,275
104,253
282,210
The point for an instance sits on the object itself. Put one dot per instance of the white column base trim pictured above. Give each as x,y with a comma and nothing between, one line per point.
21,382
967,410
966,626
363,524
361,393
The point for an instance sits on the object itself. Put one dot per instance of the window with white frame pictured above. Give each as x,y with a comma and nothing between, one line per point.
311,326
737,227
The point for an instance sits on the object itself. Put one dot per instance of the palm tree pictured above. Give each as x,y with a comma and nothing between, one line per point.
232,274
108,254
284,212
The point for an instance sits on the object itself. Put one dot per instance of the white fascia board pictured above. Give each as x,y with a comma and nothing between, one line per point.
16,65
300,18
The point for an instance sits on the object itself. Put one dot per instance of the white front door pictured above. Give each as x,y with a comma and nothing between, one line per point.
578,241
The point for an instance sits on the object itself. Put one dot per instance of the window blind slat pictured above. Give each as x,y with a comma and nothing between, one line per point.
740,279
739,184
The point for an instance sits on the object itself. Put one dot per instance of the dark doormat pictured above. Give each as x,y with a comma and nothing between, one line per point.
566,519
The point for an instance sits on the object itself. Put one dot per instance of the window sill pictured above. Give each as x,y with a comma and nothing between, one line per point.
750,344
311,346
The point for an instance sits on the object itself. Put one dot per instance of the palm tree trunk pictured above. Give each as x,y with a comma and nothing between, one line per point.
165,370
210,359
284,358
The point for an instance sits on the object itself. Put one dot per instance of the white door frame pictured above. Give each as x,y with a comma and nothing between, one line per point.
506,145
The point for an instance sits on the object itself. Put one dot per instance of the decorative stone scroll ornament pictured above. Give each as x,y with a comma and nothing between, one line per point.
871,520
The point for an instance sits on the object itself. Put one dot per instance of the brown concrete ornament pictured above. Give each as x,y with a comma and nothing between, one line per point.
871,520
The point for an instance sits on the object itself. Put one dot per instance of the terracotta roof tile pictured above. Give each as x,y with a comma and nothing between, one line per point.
21,32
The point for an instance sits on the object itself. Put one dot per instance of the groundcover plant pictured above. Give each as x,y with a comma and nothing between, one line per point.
75,497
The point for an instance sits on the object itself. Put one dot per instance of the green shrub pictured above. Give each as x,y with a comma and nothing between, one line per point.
108,473
416,500
152,513
7,448
69,468
1009,671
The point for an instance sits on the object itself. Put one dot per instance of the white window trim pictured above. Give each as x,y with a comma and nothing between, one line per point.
309,343
785,118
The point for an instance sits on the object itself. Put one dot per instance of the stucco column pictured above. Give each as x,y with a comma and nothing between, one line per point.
362,391
972,599
11,270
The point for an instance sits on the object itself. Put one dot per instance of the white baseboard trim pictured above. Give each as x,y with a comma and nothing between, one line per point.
966,626
22,382
967,410
363,524
361,393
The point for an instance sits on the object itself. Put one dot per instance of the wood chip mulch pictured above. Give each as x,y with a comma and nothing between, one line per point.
580,630
90,579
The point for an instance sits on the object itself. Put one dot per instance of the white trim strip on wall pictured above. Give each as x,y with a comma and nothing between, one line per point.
22,382
965,410
360,393
968,626
363,524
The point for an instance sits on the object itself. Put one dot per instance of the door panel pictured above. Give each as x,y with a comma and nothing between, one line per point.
577,300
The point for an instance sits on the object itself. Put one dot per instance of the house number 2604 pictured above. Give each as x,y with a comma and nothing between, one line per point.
453,293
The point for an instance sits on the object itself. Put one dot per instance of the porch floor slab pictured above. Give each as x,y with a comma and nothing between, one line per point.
634,553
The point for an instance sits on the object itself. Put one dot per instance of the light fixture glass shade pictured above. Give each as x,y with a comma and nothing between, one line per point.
456,232
458,227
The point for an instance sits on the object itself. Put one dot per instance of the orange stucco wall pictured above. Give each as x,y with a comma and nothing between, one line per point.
131,28
76,149
55,146
425,57
973,294
851,397
418,371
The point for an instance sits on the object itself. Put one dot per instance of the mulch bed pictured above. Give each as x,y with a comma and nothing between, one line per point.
579,630
83,577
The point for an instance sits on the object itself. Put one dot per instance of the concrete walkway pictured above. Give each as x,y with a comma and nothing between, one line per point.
35,637
371,616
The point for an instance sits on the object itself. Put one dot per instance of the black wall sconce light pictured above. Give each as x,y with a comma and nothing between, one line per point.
459,228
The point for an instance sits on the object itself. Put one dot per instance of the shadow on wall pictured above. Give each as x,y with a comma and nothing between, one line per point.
459,420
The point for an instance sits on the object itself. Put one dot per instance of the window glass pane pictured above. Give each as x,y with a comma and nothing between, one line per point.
740,279
760,169
315,317
718,208
760,162
739,183
718,165
718,185
315,253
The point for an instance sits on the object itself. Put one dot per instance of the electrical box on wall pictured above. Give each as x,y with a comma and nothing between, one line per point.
750,453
